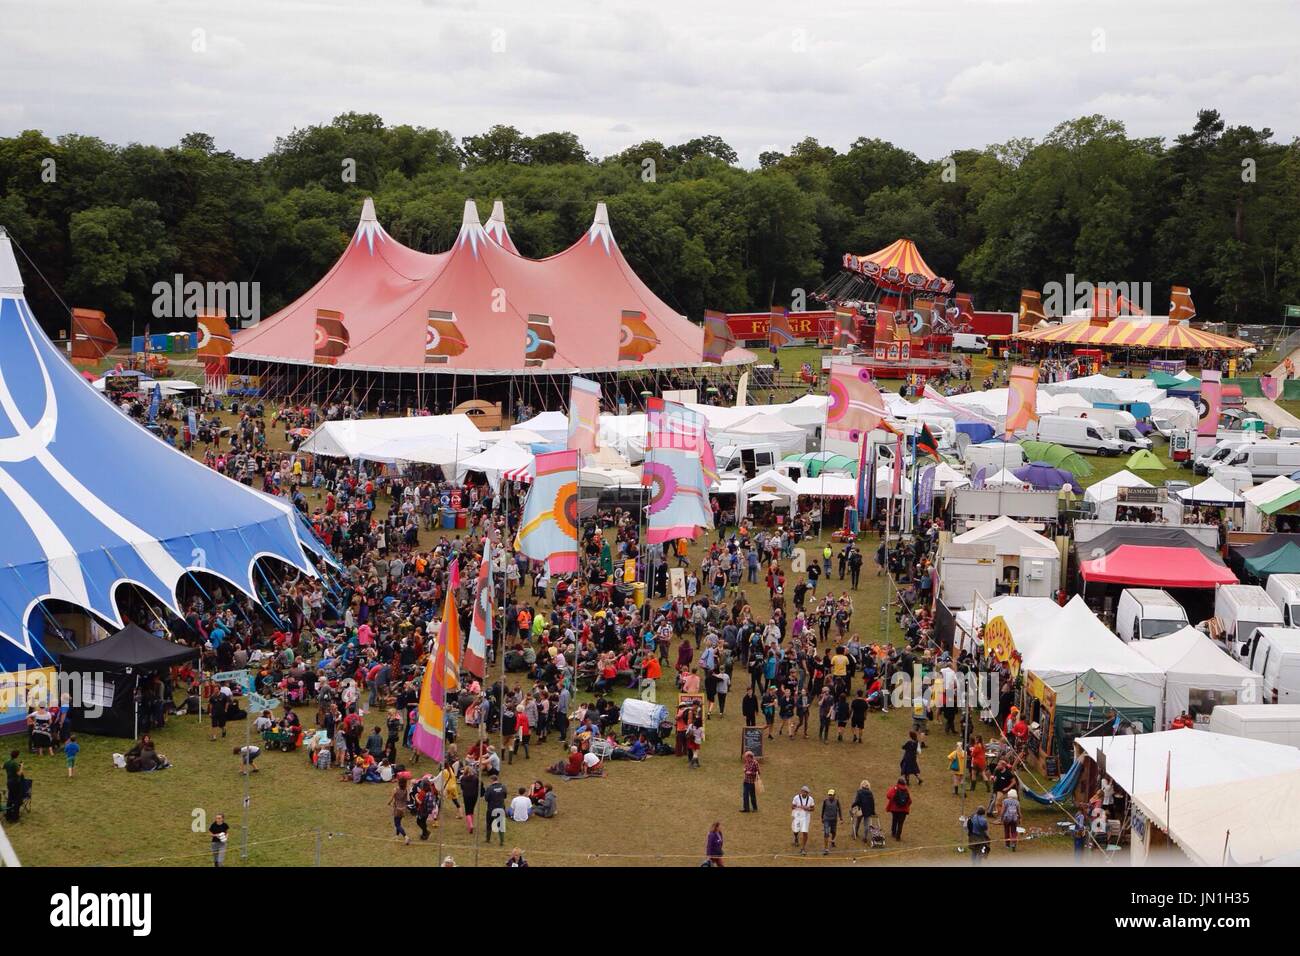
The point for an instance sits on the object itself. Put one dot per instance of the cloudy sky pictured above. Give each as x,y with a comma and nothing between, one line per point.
930,75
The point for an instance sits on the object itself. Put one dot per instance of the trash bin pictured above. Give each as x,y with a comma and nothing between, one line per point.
638,593
449,520
461,518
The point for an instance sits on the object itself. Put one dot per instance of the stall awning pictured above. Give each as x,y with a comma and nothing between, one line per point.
1157,567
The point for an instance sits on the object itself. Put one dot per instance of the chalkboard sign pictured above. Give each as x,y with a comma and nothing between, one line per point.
751,738
1051,767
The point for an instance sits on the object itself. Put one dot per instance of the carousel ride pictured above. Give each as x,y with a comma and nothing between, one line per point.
896,316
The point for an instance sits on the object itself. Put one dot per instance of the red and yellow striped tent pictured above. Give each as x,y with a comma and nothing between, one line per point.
898,266
1120,334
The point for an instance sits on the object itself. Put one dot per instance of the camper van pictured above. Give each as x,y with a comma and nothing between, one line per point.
749,459
1076,433
1274,725
1264,460
1274,654
1284,589
1146,613
1241,609
969,342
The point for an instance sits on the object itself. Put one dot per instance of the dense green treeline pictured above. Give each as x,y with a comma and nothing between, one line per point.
1218,209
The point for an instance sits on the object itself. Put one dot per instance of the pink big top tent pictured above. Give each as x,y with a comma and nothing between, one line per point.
481,307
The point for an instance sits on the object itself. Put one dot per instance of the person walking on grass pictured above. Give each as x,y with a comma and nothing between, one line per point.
220,831
910,766
749,786
70,751
398,802
801,811
858,716
713,845
898,802
978,763
862,810
832,814
957,764
977,835
1011,820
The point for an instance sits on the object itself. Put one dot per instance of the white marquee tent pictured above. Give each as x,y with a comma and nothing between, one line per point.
1075,641
1192,662
388,440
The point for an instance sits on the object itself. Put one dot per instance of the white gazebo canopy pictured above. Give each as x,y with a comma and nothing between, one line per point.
1108,488
497,458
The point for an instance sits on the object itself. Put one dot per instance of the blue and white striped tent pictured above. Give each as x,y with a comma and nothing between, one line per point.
90,501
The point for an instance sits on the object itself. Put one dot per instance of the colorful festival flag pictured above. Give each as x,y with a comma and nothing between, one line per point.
1031,309
1022,397
1181,307
674,473
925,443
718,337
449,635
779,333
1209,404
429,733
584,414
854,405
549,525
92,336
960,413
480,625
846,333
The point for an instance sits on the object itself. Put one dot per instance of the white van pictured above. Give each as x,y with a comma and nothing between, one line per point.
1284,589
1146,613
749,459
1241,609
994,457
1117,423
969,342
1221,452
1274,725
1275,656
1076,433
1264,460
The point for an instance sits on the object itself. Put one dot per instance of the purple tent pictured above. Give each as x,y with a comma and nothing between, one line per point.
1042,475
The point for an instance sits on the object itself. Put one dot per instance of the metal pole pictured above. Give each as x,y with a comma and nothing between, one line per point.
248,731
318,843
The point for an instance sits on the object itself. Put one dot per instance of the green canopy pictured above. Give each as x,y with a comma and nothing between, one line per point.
815,462
1144,460
1086,703
1166,381
1277,504
1058,456
1285,560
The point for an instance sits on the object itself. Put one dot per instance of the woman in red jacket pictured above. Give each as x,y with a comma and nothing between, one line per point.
899,804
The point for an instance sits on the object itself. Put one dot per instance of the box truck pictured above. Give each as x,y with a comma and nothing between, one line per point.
1146,613
1275,725
1240,610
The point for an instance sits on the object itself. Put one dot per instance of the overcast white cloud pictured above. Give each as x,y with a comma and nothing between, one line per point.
930,75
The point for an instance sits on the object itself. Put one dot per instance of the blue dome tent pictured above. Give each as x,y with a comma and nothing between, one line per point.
90,501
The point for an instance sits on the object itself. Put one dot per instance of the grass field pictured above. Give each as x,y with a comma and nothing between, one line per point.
651,813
